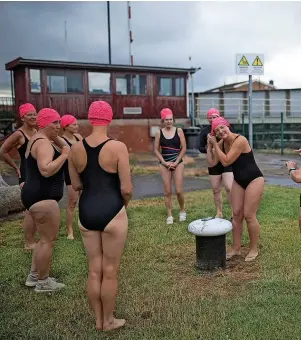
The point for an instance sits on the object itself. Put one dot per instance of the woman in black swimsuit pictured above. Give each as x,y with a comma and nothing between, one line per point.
70,128
248,183
19,139
218,174
100,168
169,148
41,192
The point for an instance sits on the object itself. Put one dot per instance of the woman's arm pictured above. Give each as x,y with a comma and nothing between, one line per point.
60,142
183,146
235,151
212,157
75,179
156,148
203,140
11,142
44,155
123,168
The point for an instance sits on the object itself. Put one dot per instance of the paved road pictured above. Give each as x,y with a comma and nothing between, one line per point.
151,185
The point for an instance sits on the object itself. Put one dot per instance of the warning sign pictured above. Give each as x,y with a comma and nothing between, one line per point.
243,61
257,62
250,63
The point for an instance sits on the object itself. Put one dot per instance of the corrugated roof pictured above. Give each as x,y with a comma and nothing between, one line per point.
91,66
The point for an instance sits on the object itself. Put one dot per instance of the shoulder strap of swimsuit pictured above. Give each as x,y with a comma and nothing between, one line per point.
76,138
235,139
34,143
22,133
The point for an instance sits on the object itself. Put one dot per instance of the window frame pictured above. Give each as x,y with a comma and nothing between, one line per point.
110,84
173,85
122,76
64,71
29,80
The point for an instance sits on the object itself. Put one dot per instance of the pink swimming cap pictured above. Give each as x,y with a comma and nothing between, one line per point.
47,116
212,111
100,113
165,112
218,121
25,108
67,120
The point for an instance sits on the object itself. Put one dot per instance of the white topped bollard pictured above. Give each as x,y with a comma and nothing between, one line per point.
210,242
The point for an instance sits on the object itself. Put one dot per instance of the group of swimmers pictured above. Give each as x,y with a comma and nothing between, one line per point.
96,171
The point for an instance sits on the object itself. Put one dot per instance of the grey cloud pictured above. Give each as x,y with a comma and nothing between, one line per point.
165,33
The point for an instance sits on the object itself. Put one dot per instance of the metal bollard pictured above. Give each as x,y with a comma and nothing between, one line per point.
210,242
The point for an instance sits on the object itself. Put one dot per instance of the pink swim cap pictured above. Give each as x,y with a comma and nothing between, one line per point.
67,120
47,116
25,108
165,112
100,113
218,121
212,111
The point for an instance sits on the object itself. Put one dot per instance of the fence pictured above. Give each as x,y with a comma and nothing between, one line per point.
276,122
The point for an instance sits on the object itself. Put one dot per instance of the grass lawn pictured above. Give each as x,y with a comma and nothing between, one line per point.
161,294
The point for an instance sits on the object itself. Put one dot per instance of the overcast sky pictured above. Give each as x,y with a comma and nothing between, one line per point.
164,33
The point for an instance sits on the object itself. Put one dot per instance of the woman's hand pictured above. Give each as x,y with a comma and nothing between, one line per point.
212,139
291,164
65,151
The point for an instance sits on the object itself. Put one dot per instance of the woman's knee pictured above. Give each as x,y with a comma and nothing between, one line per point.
179,192
216,191
168,193
249,217
110,272
237,215
72,203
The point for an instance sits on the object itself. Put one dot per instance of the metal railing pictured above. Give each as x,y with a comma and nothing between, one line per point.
263,110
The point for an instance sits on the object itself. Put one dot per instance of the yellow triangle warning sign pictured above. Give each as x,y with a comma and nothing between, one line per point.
243,61
257,62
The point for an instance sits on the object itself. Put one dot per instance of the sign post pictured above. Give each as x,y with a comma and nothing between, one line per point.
250,64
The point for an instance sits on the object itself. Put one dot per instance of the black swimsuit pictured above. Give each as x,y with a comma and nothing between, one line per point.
170,147
65,166
218,169
101,199
245,168
22,150
39,188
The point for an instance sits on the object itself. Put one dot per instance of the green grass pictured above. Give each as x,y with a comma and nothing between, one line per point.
161,294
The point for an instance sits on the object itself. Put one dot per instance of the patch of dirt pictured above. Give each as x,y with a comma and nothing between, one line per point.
226,282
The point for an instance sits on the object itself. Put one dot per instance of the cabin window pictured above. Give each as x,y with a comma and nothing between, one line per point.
164,86
171,86
99,83
131,84
35,80
179,87
64,81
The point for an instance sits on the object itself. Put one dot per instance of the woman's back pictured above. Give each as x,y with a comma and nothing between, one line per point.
101,197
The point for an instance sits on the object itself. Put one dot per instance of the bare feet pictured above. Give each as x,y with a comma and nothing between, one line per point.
219,215
70,237
29,246
231,254
251,256
114,324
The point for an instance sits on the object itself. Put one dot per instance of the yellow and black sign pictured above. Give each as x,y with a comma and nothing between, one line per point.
243,61
257,62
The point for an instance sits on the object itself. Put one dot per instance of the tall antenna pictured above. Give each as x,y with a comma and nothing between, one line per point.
65,39
109,33
130,33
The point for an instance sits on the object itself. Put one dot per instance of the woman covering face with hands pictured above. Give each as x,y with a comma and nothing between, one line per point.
169,148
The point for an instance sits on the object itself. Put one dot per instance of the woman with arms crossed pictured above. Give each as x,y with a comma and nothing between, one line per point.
19,139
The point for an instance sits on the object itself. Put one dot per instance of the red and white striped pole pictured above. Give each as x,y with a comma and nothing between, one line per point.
130,33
